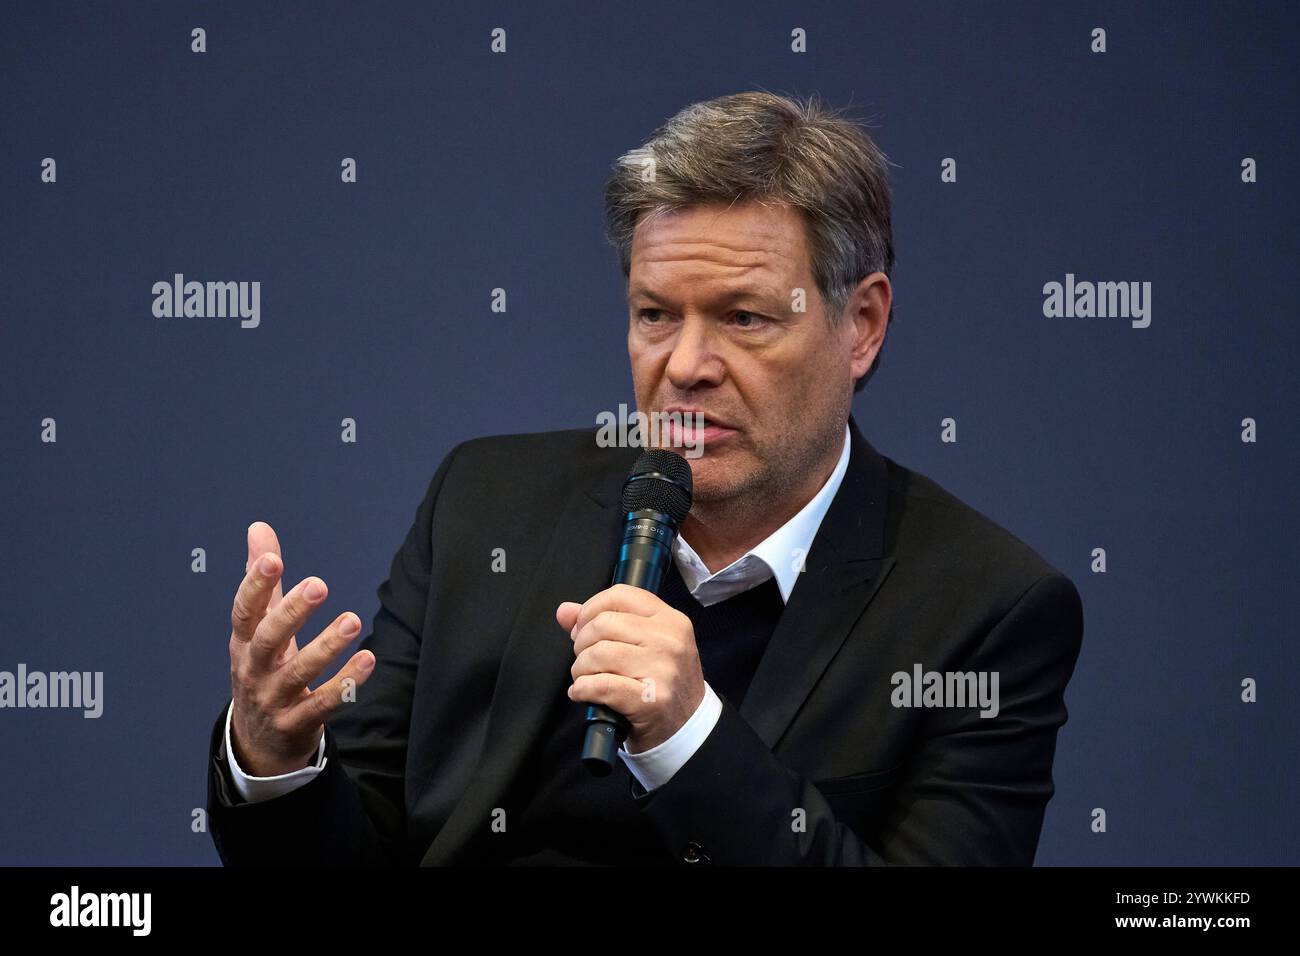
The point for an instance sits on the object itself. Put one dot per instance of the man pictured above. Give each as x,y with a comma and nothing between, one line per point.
816,587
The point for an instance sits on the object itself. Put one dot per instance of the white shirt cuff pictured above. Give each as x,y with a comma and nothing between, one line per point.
257,789
656,766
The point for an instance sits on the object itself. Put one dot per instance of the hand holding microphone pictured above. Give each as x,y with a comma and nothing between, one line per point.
636,663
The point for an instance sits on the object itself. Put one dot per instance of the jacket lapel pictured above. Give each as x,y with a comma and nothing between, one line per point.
843,570
539,655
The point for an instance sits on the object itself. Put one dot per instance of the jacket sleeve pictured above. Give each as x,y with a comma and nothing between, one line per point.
354,811
973,793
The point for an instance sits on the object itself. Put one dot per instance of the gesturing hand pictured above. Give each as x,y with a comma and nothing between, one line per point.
277,722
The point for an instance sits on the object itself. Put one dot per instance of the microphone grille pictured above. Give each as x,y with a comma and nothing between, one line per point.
660,480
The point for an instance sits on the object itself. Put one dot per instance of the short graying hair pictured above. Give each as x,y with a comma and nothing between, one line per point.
761,146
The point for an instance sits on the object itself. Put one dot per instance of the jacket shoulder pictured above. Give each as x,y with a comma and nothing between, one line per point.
549,446
939,534
527,466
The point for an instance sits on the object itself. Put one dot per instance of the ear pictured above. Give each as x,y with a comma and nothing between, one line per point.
866,318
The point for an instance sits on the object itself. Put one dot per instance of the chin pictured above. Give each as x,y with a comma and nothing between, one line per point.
714,481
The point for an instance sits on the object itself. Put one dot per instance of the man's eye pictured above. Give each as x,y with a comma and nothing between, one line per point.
748,320
649,315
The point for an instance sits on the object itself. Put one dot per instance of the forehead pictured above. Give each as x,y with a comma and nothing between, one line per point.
749,240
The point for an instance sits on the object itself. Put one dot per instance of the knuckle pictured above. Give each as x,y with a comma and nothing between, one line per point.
280,724
333,640
240,615
293,607
242,679
320,702
294,674
588,662
324,649
274,625
264,634
255,699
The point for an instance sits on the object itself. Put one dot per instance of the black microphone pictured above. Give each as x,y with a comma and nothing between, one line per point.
656,497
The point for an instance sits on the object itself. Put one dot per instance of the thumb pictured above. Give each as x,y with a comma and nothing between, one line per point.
566,615
262,540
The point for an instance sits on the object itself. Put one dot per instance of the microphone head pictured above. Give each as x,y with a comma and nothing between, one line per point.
661,481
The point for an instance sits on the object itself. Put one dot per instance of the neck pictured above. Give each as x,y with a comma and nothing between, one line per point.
724,530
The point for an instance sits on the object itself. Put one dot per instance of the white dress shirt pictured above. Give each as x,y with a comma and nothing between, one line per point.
780,554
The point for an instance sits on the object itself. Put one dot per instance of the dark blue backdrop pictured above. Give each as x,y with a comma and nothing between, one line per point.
479,170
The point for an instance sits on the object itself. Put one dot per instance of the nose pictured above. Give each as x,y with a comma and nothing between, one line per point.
693,363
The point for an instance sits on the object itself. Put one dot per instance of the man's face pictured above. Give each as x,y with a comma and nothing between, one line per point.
713,327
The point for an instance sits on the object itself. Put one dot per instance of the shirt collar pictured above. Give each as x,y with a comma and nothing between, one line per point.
780,554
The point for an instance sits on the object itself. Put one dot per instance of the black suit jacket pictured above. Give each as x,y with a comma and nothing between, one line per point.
817,767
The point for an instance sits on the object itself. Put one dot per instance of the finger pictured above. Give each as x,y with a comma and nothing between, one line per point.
620,597
566,615
612,657
262,539
611,626
252,597
317,707
620,694
282,622
310,662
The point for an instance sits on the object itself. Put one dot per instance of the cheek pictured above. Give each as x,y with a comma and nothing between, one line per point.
819,363
647,359
642,366
772,379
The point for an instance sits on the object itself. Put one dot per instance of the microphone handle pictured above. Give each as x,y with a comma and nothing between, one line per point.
642,562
